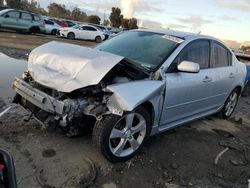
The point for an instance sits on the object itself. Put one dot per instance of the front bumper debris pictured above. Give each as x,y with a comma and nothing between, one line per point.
38,98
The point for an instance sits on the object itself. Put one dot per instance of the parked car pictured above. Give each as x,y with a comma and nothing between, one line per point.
7,171
51,27
20,20
70,23
85,32
104,29
60,22
140,83
244,58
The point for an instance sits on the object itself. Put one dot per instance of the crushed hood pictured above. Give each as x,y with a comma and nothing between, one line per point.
67,67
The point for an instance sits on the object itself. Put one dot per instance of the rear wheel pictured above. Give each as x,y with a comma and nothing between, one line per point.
53,32
98,39
71,36
120,138
230,104
34,30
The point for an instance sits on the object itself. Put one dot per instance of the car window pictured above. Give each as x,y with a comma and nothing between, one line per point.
89,28
13,14
220,56
197,52
147,49
37,18
48,22
26,16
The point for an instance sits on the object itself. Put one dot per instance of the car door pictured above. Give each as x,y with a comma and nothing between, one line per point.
26,20
11,19
83,33
188,94
224,72
92,33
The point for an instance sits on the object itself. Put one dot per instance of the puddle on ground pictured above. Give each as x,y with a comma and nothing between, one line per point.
9,69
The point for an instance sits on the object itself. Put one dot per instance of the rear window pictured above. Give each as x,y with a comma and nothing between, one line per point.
48,22
37,18
26,16
220,56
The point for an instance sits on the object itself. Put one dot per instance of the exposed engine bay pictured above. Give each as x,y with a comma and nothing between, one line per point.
81,108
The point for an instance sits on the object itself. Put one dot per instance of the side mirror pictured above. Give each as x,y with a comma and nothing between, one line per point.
7,171
6,16
190,67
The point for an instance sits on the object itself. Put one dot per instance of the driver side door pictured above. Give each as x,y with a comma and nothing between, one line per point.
188,94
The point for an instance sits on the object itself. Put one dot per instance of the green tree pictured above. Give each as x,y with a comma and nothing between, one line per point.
77,14
133,23
14,4
116,17
32,6
106,22
125,23
57,10
94,19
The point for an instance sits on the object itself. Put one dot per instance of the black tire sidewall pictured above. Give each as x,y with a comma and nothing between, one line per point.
71,36
98,39
53,32
108,124
223,111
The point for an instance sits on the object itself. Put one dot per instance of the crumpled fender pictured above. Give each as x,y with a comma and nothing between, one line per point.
127,96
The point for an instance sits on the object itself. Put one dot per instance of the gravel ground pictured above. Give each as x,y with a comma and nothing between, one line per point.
183,157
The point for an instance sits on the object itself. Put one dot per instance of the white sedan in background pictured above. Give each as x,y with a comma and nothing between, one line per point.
85,32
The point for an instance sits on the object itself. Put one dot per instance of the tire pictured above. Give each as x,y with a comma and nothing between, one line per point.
71,36
230,104
98,39
113,137
53,32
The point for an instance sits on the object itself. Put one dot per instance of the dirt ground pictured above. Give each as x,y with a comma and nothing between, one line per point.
210,152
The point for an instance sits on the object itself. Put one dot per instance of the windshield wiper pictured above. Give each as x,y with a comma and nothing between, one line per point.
146,70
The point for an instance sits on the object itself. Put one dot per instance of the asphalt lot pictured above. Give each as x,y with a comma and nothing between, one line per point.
183,157
9,39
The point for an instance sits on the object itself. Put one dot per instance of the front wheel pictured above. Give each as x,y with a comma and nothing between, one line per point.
120,138
71,36
230,104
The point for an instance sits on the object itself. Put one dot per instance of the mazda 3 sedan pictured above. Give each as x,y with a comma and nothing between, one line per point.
137,84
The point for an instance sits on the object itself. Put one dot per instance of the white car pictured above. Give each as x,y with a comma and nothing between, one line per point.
85,32
51,27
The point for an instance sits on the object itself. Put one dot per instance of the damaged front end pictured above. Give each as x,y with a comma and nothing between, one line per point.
74,112
73,91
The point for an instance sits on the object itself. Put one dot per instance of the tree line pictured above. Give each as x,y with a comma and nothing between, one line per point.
61,11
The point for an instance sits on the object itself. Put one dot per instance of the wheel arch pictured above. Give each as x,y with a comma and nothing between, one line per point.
239,88
149,107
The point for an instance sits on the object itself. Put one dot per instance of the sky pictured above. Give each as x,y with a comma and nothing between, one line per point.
224,19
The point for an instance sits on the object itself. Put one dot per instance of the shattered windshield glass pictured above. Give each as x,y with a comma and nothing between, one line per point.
144,48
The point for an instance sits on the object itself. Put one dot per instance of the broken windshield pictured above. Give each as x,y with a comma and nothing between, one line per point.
147,49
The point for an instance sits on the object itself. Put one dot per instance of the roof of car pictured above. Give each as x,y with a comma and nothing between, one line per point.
179,34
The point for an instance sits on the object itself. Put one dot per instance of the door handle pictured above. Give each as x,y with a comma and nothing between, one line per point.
231,75
207,79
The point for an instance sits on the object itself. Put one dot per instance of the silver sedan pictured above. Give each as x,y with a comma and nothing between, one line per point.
137,84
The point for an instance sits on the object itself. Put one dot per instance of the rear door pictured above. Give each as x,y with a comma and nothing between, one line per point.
224,73
188,94
83,33
26,20
11,19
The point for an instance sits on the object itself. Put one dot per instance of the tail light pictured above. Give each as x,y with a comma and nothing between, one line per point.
1,167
